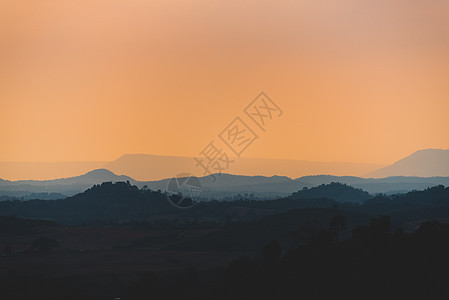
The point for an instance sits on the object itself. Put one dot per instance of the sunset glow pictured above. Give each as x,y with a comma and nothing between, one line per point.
358,81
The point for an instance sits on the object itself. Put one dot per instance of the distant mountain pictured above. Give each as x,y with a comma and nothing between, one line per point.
147,167
157,167
67,186
423,163
92,177
98,176
46,170
154,167
44,196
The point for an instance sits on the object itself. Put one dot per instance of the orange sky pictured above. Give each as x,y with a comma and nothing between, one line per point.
361,81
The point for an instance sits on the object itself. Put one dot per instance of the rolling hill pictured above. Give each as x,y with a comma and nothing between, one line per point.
221,186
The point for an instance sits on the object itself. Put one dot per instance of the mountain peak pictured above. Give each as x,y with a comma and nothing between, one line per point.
99,172
102,175
424,163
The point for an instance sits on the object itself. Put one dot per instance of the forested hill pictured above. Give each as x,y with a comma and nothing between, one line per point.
122,202
337,191
101,203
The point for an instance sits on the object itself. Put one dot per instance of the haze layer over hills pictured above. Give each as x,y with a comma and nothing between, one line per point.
217,186
144,167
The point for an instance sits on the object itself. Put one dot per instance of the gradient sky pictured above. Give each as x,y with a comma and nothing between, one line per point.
359,81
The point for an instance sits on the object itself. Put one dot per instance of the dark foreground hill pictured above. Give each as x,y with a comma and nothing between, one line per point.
407,211
287,228
431,203
113,203
107,202
298,248
376,262
15,225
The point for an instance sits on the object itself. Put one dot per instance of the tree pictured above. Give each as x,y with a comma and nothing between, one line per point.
337,224
240,269
323,238
380,227
44,245
271,252
305,233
